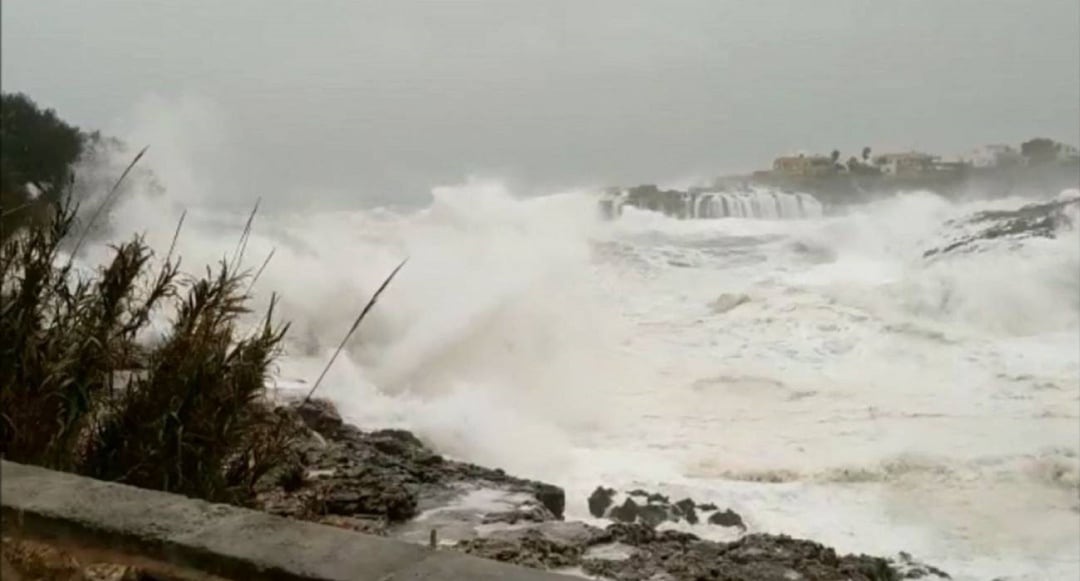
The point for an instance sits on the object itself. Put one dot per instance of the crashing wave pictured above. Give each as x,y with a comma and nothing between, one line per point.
754,203
1040,220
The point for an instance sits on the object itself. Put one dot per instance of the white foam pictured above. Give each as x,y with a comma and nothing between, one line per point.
897,404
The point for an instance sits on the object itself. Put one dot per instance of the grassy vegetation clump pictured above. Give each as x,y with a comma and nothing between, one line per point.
80,390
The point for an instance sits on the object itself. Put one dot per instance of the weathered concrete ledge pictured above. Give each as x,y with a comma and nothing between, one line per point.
197,539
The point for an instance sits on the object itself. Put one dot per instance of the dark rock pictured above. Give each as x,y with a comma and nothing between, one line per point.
600,501
654,509
908,568
686,510
552,497
727,518
627,512
1040,220
338,469
681,556
320,416
534,513
372,495
659,498
674,555
376,482
549,545
653,514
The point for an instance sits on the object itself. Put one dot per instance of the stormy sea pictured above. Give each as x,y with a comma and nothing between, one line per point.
896,375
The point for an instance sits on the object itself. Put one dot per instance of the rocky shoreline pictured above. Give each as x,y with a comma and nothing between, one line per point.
387,482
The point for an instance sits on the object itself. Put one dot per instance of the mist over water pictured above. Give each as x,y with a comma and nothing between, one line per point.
818,375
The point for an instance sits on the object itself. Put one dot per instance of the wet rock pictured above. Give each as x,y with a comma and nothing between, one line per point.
552,497
379,482
340,470
688,510
727,518
600,501
638,552
525,513
681,556
1039,220
370,493
908,568
319,415
654,509
627,512
550,545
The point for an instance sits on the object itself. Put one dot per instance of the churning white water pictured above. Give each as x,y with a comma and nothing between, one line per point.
818,376
750,202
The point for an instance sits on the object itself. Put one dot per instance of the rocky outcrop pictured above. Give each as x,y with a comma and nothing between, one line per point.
1040,220
653,509
388,482
638,552
550,545
731,201
677,556
373,480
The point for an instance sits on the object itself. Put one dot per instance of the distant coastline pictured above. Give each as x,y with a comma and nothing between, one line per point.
1037,167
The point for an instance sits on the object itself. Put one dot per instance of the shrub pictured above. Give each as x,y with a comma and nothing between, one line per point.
80,392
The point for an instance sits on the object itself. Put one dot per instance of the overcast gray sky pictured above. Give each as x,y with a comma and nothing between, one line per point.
359,102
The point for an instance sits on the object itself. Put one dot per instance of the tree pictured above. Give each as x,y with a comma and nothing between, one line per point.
866,153
1040,150
36,148
835,155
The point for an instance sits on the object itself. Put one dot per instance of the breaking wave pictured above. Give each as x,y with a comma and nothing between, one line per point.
724,357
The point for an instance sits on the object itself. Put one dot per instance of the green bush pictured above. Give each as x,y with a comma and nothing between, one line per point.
79,391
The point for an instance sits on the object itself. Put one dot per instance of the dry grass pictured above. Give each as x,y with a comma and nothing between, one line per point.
79,393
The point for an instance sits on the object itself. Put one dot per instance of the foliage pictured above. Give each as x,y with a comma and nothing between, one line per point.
36,146
79,390
1040,150
37,154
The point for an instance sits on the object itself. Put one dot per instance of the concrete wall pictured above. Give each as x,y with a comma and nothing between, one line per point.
194,539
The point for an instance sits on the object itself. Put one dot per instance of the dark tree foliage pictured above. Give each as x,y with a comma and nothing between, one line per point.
1040,150
36,146
37,153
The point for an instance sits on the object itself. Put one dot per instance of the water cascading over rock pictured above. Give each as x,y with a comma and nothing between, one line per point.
755,203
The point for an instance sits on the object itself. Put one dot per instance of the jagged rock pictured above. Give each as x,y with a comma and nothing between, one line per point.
377,482
654,509
627,512
638,552
550,545
527,513
908,568
682,556
1040,220
552,497
727,518
338,469
689,511
319,415
600,501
